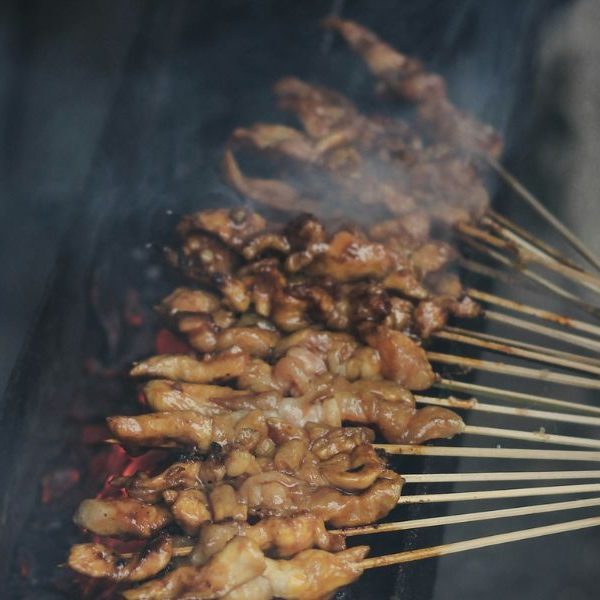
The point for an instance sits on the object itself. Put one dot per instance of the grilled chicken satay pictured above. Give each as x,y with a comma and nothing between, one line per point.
408,79
240,570
434,176
301,357
284,537
339,458
121,517
340,283
247,423
99,561
266,494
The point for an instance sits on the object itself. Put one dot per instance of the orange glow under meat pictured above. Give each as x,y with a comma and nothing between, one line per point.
168,343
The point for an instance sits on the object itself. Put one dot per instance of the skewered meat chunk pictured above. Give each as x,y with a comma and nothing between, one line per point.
190,428
239,562
283,536
349,257
164,395
186,300
240,570
121,517
225,365
234,227
97,560
407,78
401,359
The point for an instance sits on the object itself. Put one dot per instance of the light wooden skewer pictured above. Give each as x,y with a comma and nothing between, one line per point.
527,492
545,315
510,342
474,404
497,476
495,432
510,228
516,371
525,256
526,195
518,352
529,252
473,517
477,543
529,274
562,336
495,453
482,390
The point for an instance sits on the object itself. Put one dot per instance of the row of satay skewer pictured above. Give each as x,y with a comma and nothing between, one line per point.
294,330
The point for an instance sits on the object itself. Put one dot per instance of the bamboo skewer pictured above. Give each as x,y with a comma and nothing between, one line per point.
518,352
524,255
473,517
526,195
546,315
495,453
526,492
506,226
577,358
498,476
516,371
474,404
477,543
482,390
529,274
563,336
532,436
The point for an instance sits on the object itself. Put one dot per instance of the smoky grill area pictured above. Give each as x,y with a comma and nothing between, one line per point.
154,88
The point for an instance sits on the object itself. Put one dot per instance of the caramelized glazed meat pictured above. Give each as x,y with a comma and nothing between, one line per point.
407,78
240,570
283,536
97,560
121,517
239,562
190,428
180,367
234,227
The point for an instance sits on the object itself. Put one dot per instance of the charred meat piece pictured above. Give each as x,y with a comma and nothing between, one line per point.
408,79
234,227
283,536
121,517
97,560
241,571
180,367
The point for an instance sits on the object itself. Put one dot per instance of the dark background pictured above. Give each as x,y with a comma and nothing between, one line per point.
522,65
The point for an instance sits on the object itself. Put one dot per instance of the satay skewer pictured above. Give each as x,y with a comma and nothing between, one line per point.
498,476
494,453
523,492
514,370
511,230
474,404
511,395
530,199
510,342
472,517
527,273
545,315
502,348
477,543
521,255
550,332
